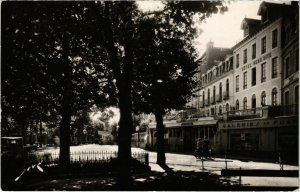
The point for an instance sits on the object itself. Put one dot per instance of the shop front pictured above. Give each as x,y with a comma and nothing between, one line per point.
260,136
182,136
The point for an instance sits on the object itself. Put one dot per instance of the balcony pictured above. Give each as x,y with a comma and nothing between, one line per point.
286,110
206,102
262,112
212,100
218,98
244,114
225,95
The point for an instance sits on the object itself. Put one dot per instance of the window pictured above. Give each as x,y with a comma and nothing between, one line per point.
220,91
214,94
263,45
212,111
208,96
203,97
286,97
220,109
237,60
297,95
287,67
254,51
274,68
245,80
263,72
245,103
263,98
227,107
253,101
274,38
227,86
253,82
237,83
245,56
237,105
274,96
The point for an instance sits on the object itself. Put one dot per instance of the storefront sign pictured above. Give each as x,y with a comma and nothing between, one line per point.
187,124
264,57
259,123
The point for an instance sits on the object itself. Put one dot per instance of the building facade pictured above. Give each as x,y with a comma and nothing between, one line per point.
247,97
263,123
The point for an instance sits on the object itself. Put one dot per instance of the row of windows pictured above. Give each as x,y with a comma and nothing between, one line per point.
274,96
287,96
274,72
218,71
263,48
214,92
288,64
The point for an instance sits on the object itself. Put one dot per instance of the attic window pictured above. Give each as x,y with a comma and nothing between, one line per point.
264,16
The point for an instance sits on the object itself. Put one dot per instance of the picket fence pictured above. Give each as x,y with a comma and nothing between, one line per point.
85,157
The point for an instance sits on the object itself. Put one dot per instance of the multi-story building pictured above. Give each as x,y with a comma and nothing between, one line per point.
247,97
261,122
290,57
216,92
257,59
212,67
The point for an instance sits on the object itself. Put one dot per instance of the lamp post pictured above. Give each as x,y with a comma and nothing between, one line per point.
159,112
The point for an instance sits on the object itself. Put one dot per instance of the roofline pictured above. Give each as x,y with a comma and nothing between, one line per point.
249,37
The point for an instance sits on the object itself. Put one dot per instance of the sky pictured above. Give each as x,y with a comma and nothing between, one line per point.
222,29
225,29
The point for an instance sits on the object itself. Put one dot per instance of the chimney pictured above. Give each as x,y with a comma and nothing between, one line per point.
209,45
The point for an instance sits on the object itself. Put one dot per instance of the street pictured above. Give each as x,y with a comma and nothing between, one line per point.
181,162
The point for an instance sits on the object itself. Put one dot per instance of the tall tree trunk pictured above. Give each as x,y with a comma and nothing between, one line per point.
123,82
160,141
124,138
64,128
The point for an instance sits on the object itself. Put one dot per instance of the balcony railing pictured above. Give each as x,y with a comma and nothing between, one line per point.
243,114
225,95
261,112
286,110
267,111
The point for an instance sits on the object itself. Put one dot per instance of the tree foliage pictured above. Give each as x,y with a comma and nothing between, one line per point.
166,59
51,62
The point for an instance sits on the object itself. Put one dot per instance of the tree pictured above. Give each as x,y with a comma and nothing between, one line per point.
115,31
167,60
50,64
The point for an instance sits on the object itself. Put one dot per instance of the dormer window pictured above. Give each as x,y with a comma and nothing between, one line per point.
246,31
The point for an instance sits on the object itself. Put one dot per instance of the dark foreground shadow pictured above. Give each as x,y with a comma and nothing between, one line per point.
169,180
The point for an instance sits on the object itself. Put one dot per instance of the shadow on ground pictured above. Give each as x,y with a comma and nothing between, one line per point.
171,180
149,181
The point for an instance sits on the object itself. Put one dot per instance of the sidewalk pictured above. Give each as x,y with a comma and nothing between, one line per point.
180,162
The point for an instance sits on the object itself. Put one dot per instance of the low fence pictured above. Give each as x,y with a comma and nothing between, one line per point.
50,159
